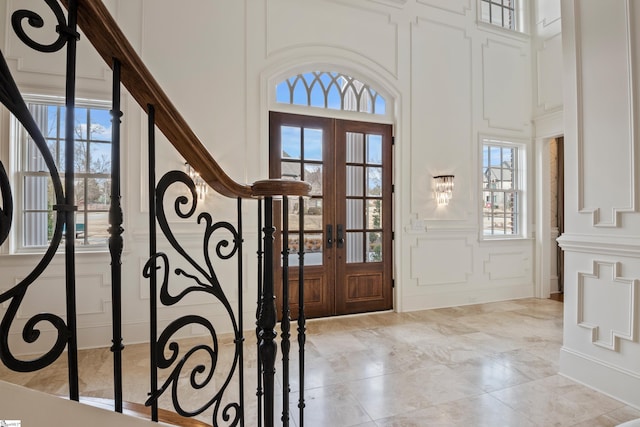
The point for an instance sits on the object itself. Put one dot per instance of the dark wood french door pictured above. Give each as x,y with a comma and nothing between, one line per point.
347,220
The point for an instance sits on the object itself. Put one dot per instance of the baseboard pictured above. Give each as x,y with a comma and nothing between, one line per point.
620,384
466,297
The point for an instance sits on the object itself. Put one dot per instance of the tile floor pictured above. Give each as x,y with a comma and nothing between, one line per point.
481,365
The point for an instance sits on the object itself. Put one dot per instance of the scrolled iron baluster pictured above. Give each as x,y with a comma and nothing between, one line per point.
12,99
6,211
205,280
36,21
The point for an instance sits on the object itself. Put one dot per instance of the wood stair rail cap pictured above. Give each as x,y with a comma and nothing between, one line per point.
101,29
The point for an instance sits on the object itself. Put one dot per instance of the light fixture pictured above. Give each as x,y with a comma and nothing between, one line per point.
443,188
201,186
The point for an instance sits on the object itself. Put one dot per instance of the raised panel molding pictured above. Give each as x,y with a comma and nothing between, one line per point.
441,261
458,6
597,106
508,265
505,86
607,305
549,65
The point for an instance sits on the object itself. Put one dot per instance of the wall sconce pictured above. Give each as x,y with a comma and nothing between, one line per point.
443,189
201,186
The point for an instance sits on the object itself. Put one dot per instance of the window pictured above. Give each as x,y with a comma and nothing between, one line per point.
331,90
502,13
502,188
92,171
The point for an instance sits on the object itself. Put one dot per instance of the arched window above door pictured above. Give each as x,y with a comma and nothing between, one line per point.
331,90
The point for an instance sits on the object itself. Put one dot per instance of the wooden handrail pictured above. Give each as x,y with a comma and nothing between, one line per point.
97,24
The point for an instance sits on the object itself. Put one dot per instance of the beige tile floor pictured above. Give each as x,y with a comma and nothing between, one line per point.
481,365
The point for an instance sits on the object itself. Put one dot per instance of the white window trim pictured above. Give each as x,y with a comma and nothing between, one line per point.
14,170
522,29
522,180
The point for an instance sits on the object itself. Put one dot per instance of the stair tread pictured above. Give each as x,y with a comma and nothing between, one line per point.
141,411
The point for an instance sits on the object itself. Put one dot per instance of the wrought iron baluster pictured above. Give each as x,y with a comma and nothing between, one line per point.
72,36
239,339
153,277
260,254
301,314
267,321
115,240
286,321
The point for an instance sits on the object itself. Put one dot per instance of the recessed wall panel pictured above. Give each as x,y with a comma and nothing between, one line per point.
606,122
506,86
441,261
441,109
511,265
550,73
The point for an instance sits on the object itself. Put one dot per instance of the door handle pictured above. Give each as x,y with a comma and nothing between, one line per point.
329,236
340,236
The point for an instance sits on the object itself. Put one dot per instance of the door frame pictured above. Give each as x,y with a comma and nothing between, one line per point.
548,128
335,261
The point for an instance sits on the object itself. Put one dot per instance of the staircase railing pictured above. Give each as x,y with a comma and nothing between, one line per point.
225,239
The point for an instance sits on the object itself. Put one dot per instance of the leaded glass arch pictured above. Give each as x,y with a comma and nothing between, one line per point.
332,90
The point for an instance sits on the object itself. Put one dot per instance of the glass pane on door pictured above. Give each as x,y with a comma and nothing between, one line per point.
312,245
301,158
364,190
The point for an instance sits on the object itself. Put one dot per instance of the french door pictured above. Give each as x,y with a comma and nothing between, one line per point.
347,220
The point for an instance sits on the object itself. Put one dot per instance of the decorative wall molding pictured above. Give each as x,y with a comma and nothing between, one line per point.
601,245
92,296
616,381
601,301
510,265
459,6
441,261
453,45
549,125
393,3
52,64
613,219
511,89
548,63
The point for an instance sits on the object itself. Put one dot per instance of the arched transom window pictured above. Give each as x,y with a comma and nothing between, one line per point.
333,90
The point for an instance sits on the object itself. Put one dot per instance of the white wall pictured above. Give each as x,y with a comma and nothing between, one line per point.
602,228
448,78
